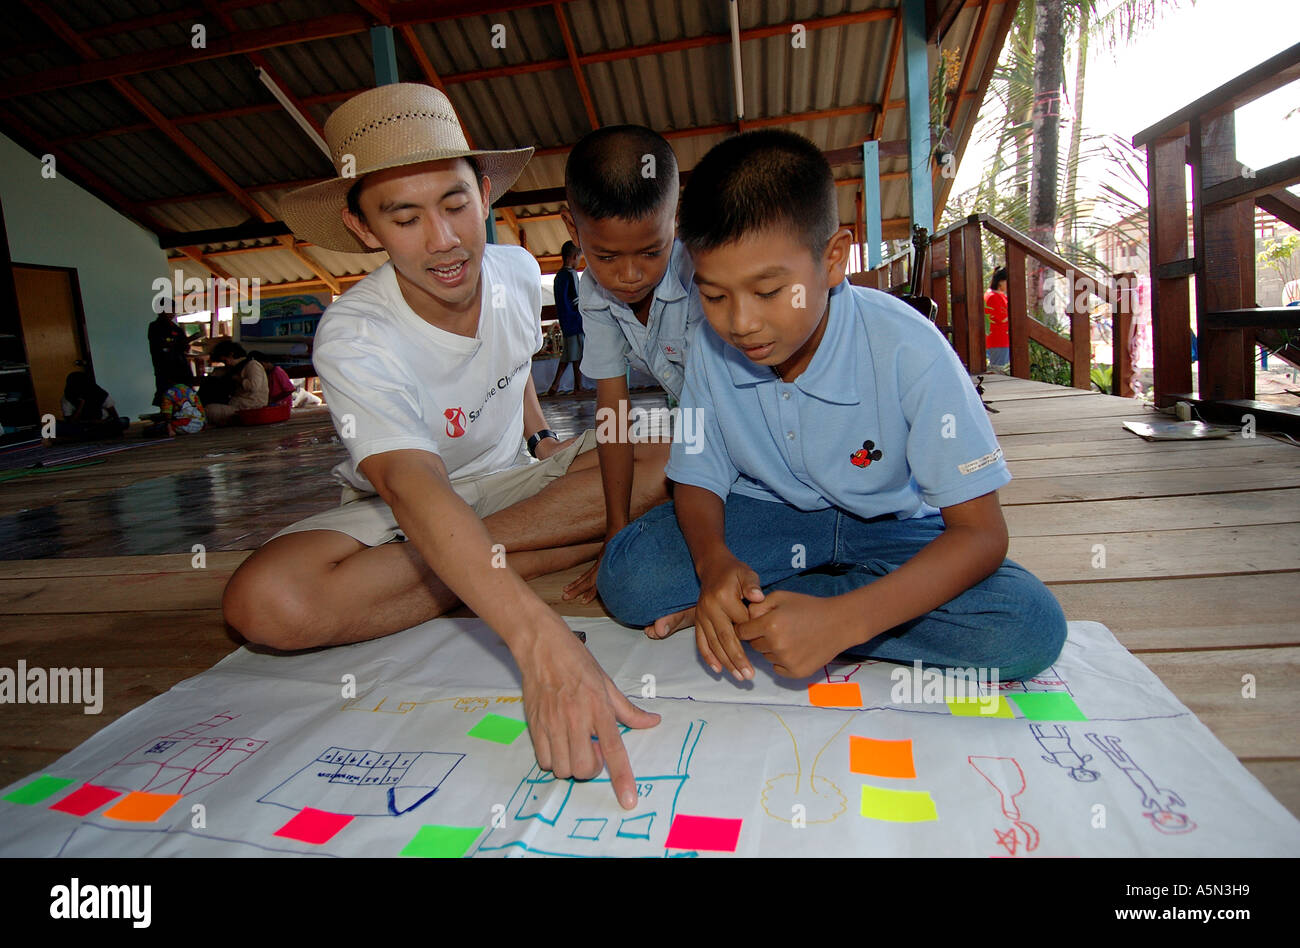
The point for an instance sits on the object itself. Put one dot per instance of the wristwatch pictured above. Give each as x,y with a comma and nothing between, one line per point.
537,439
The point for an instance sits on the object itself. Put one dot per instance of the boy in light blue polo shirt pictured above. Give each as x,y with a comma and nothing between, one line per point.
638,302
840,433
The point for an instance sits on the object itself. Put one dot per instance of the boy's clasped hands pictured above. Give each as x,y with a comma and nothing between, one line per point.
797,633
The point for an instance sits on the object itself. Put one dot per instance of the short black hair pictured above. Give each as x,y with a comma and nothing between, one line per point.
1000,275
354,192
228,347
623,171
569,251
755,181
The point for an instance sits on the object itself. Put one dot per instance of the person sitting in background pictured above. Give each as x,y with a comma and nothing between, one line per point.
242,385
88,411
279,385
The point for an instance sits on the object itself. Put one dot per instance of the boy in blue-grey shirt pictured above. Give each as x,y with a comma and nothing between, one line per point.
840,434
639,305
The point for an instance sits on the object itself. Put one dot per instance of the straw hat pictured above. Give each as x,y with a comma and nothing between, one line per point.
404,123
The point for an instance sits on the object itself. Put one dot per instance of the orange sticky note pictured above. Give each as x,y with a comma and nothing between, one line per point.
839,694
881,758
142,807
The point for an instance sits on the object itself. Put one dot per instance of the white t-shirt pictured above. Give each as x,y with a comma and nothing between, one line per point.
393,381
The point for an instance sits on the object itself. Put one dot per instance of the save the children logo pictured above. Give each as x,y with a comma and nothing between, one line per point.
455,422
868,453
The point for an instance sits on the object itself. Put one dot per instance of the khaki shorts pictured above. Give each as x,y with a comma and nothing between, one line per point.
368,520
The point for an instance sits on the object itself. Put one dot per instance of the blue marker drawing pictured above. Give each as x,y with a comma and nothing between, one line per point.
365,782
550,817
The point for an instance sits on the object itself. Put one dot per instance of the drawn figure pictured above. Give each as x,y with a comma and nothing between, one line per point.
998,771
1048,680
181,762
1158,801
823,801
842,670
365,782
1061,752
550,817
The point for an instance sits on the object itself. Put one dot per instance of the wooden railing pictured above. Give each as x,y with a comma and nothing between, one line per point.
1221,256
958,289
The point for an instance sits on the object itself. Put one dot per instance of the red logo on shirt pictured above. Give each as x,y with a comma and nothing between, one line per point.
868,454
670,350
455,422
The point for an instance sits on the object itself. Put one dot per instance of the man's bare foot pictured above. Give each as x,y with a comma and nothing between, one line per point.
667,625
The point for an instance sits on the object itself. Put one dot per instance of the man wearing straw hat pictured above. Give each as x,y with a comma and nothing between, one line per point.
426,367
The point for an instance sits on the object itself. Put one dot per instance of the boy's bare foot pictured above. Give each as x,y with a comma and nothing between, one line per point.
667,625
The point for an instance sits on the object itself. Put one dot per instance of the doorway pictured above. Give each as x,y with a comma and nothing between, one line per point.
54,330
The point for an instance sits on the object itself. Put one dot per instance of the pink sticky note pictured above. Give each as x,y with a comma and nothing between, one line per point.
313,826
704,832
85,799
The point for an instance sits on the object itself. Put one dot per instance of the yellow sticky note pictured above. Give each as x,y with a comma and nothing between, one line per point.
987,706
898,806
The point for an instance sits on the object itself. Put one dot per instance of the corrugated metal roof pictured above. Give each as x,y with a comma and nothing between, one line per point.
673,90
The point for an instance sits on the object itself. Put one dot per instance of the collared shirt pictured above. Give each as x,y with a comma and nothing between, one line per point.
883,421
616,338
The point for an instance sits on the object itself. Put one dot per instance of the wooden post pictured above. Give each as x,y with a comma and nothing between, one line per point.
1017,311
1121,333
1080,334
938,283
960,304
1225,256
973,280
1171,331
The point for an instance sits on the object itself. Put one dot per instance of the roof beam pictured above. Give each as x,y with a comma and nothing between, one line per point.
88,179
575,65
999,39
132,64
894,44
199,257
257,59
246,41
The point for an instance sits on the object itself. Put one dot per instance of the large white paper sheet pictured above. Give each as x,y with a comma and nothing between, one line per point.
357,750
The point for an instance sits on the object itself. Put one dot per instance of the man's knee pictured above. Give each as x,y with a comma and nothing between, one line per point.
264,605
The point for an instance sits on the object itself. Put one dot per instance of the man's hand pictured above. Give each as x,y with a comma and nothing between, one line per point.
725,584
798,634
568,700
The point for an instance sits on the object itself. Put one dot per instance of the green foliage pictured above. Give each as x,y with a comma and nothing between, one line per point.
1102,377
1046,366
1277,254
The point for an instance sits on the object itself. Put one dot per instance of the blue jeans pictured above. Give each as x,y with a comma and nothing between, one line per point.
1009,621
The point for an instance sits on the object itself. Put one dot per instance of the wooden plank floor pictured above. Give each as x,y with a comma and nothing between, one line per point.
1201,560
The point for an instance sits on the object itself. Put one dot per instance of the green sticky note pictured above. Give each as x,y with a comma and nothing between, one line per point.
38,790
495,727
992,706
898,806
1048,706
442,842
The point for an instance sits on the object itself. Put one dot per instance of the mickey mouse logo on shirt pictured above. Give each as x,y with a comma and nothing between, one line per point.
455,422
866,455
